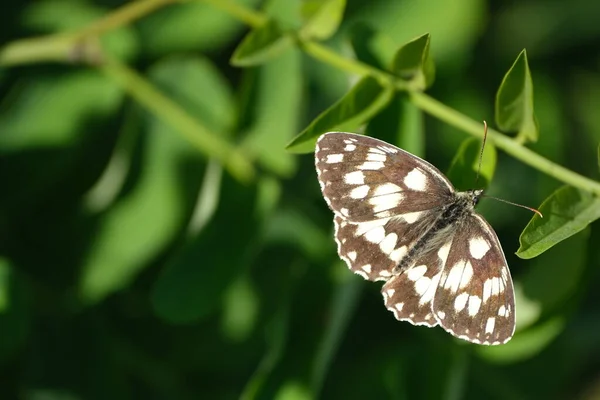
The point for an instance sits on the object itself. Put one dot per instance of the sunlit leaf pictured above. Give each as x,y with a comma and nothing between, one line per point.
413,63
566,212
514,101
363,101
261,45
321,18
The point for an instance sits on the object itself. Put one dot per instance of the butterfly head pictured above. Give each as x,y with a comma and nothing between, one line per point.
475,195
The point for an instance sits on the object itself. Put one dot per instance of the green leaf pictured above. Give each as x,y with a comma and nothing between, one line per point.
321,18
413,63
274,111
400,123
363,101
566,212
463,170
261,45
194,282
514,101
599,157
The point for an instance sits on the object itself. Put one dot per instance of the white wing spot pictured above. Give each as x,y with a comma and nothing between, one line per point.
376,150
430,292
495,286
371,165
412,217
384,274
416,180
350,147
487,289
502,311
389,243
453,280
387,149
364,227
460,301
359,192
349,141
474,304
399,306
382,203
478,247
467,274
489,326
422,285
376,157
352,255
443,252
354,178
441,315
375,235
345,212
390,292
398,254
366,268
386,188
334,158
415,273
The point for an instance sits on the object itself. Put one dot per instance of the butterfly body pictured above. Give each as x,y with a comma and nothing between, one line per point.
399,219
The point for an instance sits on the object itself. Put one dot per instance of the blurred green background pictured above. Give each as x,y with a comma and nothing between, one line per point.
134,266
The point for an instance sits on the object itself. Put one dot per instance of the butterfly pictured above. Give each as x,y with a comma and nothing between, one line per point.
398,219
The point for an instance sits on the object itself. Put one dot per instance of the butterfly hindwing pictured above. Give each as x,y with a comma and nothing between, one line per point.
363,179
373,249
409,294
475,297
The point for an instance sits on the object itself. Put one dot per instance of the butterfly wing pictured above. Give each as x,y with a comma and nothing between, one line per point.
409,294
474,299
383,197
365,179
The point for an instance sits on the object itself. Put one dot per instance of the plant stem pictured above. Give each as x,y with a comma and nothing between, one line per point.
163,108
510,146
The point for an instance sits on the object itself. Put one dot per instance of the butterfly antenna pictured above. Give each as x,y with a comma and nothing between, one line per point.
515,204
485,129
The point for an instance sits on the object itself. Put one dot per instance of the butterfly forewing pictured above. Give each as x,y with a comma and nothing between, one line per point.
398,219
475,297
363,179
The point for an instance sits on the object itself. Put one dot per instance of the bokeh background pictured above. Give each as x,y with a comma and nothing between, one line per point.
134,266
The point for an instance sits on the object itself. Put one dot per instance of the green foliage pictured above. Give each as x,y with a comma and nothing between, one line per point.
566,212
162,232
514,101
413,63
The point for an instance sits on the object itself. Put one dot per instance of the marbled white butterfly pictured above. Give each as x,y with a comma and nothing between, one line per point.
399,219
